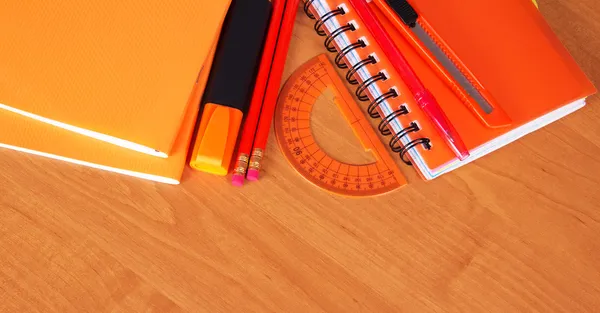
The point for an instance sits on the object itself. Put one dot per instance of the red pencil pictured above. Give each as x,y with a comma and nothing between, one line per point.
262,78
270,101
423,97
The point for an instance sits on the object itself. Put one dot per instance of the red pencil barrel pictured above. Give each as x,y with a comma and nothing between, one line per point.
270,100
251,123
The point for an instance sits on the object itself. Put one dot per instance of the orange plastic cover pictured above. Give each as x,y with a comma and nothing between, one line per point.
19,133
120,68
536,74
535,77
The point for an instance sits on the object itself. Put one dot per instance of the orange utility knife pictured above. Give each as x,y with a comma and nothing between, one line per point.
445,62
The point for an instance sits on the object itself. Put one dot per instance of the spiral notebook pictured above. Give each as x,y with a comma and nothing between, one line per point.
530,75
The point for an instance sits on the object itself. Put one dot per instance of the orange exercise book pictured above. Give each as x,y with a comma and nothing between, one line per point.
511,50
21,134
117,71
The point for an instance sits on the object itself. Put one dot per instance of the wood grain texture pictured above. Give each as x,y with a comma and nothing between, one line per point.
516,231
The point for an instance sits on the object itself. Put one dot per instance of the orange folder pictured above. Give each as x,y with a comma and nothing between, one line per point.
117,71
21,134
512,51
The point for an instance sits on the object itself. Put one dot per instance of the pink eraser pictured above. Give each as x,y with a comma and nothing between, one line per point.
252,175
237,180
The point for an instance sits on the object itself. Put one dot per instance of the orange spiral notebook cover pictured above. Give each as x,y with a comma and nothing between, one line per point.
117,71
521,63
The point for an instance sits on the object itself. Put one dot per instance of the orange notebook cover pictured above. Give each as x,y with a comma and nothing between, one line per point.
20,134
522,64
117,71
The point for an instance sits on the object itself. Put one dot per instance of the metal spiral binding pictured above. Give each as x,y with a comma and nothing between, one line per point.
339,58
395,141
321,22
331,38
350,75
307,4
372,108
360,91
426,142
383,125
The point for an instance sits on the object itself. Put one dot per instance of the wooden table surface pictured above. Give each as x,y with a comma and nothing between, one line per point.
517,231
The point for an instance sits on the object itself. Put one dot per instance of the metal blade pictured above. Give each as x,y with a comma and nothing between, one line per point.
452,69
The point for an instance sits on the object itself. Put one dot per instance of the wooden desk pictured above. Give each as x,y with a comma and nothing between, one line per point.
107,243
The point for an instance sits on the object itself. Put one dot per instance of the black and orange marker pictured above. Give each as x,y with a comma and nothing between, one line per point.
229,87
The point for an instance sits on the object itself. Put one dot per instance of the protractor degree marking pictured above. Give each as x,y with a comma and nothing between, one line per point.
304,86
323,172
305,92
306,168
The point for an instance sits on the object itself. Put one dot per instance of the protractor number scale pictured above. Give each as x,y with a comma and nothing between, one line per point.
296,140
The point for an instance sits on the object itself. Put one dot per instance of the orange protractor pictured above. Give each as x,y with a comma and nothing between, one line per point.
296,140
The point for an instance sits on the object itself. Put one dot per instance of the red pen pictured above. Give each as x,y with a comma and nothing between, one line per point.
423,97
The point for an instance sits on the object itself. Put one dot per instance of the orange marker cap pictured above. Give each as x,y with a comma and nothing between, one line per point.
216,140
